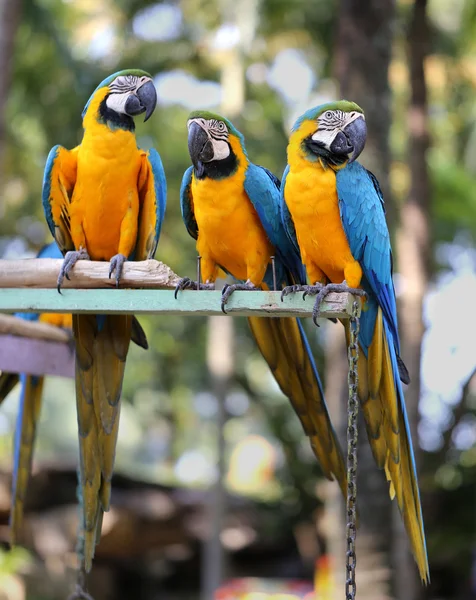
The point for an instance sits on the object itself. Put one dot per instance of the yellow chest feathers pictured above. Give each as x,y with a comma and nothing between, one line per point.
226,219
311,196
230,233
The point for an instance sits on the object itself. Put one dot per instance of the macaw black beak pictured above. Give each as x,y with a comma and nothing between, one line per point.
147,95
200,147
144,100
351,139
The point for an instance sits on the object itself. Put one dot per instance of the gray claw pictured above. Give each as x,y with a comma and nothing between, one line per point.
70,259
229,289
292,289
188,284
117,264
327,289
312,290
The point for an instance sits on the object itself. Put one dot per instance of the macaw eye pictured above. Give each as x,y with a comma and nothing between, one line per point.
328,114
221,126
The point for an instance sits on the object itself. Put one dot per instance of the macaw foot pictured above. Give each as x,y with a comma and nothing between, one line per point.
188,284
321,291
229,289
116,264
70,259
294,289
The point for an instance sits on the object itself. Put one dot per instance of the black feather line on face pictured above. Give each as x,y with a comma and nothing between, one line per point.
115,120
124,84
219,169
315,150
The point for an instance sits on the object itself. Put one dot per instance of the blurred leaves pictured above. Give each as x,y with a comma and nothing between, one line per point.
12,562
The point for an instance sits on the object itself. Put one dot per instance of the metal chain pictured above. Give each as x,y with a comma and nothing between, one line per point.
80,592
352,436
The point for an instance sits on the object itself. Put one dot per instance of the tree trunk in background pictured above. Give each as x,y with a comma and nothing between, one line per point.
220,362
363,54
362,57
9,19
413,241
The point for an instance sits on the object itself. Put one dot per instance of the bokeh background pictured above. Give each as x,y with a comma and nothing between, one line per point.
216,482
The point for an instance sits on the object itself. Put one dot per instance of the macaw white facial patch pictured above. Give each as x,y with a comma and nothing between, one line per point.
117,102
221,149
325,136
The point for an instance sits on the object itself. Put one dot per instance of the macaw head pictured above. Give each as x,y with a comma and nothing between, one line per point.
333,132
214,144
123,95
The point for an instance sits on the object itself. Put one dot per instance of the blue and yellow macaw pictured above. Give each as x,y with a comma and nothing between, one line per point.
104,200
231,207
28,412
333,211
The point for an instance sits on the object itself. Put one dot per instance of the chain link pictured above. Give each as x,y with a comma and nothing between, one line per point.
80,591
352,435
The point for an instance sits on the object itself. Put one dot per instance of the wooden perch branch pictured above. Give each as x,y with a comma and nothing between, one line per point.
30,286
43,273
10,325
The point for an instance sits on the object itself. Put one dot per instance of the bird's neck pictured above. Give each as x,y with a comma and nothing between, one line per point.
114,120
318,153
102,141
302,150
104,126
219,169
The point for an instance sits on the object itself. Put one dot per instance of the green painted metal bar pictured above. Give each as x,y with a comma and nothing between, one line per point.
159,302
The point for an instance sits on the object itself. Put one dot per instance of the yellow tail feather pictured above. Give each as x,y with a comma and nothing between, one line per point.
281,344
100,364
411,507
390,405
31,413
374,368
388,438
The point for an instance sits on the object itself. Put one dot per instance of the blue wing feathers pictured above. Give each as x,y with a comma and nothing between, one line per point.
46,191
272,176
18,432
363,219
50,251
186,204
287,219
262,188
264,195
160,187
401,401
311,358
